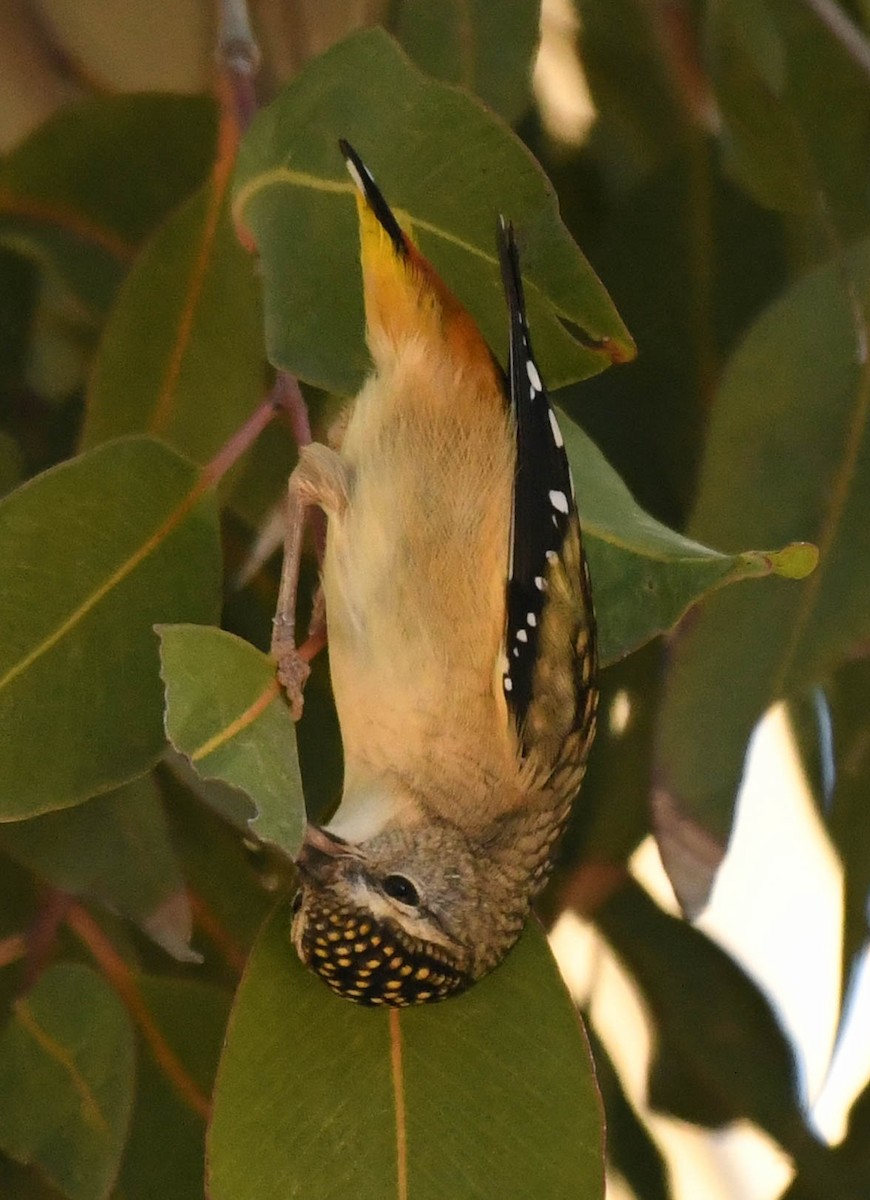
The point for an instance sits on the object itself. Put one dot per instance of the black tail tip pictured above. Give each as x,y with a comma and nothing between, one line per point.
359,172
366,185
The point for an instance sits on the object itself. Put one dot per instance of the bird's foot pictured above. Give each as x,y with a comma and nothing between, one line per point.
292,670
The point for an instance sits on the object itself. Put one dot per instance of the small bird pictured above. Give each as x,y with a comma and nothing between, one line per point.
461,634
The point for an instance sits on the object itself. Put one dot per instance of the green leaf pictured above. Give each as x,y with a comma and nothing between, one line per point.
485,46
87,187
691,260
787,457
720,1051
225,712
66,1077
783,82
182,353
644,575
115,849
621,49
222,873
765,148
165,1151
294,194
376,1104
102,548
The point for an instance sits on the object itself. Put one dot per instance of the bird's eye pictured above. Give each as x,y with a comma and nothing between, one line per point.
400,888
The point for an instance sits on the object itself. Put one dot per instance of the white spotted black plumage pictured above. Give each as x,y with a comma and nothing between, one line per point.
543,499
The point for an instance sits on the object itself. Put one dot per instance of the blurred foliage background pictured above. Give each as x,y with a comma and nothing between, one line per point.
712,160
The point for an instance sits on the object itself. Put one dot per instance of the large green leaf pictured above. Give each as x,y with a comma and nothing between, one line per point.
114,848
449,168
182,352
644,575
628,77
783,83
165,1152
95,551
225,712
691,260
787,456
485,46
85,189
318,1097
67,1081
720,1051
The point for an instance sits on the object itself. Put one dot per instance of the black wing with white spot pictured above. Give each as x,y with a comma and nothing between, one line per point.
543,505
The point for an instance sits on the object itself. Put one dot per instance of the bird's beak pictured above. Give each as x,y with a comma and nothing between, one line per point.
318,857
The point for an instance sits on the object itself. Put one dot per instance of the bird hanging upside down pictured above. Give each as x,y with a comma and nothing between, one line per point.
461,635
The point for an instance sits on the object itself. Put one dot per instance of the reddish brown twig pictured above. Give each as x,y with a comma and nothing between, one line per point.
123,980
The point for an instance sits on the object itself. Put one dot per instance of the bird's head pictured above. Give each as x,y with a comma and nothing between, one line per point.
405,917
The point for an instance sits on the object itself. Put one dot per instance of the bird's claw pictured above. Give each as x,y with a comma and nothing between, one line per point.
293,671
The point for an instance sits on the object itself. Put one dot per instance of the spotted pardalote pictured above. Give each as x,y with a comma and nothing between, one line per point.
461,637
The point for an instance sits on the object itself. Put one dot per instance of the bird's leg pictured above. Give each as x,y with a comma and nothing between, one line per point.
320,479
317,625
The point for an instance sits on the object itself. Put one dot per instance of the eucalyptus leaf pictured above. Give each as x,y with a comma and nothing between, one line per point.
67,1081
318,1097
193,1017
787,457
720,1052
225,713
293,194
114,848
95,551
54,196
485,46
783,82
182,355
644,575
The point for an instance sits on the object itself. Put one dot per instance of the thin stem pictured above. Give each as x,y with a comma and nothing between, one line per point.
123,980
312,646
244,437
288,395
238,58
42,935
232,952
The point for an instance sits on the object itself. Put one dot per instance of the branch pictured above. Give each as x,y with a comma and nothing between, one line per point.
238,57
207,920
123,980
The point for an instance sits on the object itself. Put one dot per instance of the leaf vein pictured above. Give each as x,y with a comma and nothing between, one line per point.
90,1106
